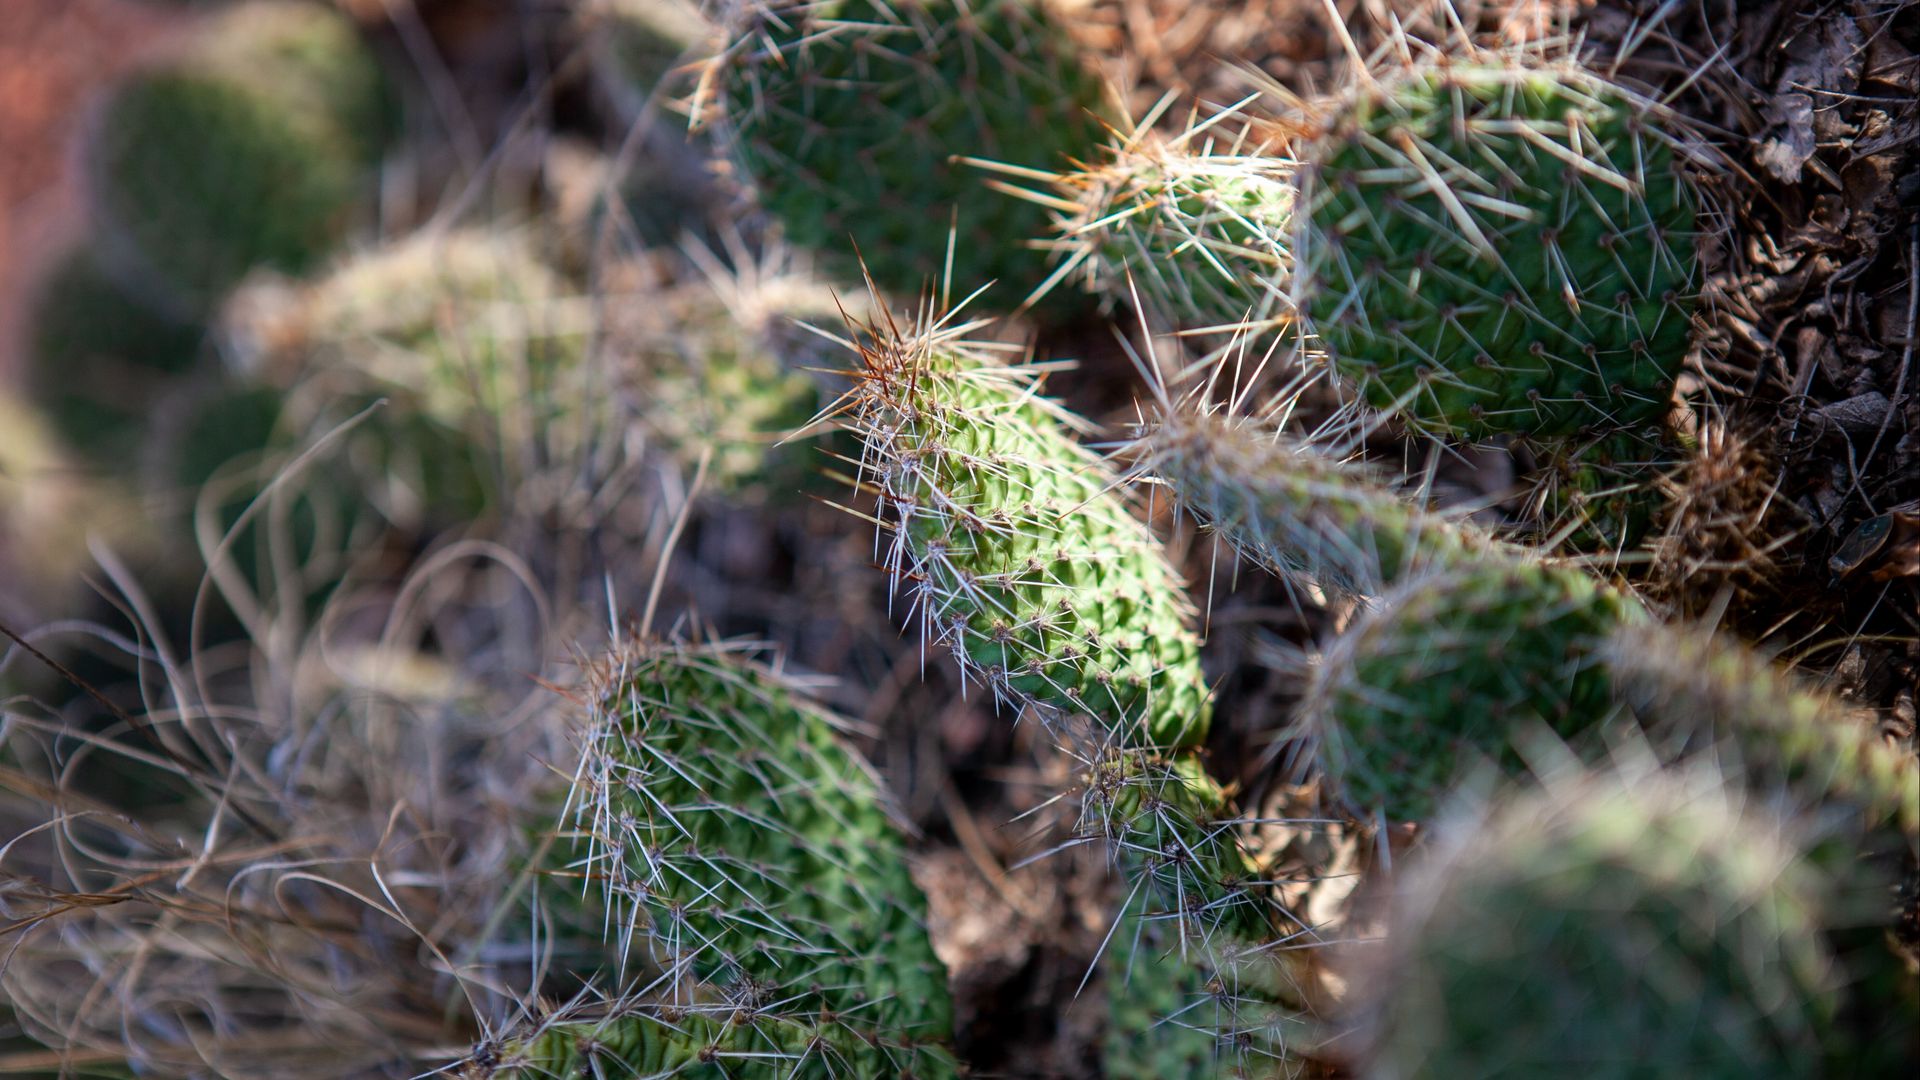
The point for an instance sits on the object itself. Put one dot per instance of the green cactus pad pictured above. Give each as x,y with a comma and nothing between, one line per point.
1601,495
1197,1009
1013,547
848,114
1290,507
1491,248
101,356
1448,670
248,151
1608,927
1204,235
750,854
1697,691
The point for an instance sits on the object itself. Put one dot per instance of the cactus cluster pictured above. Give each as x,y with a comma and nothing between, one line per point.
1599,839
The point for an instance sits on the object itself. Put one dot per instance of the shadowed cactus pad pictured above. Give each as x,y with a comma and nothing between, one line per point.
1449,669
248,150
847,115
751,856
1491,248
1013,548
1294,509
1601,495
1607,927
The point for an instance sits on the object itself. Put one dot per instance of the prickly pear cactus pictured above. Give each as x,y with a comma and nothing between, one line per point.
101,356
1609,927
1013,547
1203,231
747,852
1294,509
1490,248
1448,670
847,115
1187,1008
248,150
1701,692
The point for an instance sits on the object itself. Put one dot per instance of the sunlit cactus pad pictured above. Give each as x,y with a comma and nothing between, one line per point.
1608,927
1449,670
1014,549
1495,248
746,851
848,114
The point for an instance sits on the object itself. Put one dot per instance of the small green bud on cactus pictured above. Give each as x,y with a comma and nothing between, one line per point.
1493,248
1203,233
1600,495
1290,507
751,856
1448,669
1608,926
249,150
848,116
1013,546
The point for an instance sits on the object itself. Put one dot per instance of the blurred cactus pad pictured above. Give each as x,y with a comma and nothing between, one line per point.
847,116
1490,247
250,147
1608,926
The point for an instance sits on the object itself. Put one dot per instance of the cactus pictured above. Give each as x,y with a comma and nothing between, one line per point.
1198,1008
101,355
1600,495
1489,248
1720,524
247,151
1691,687
848,114
1288,506
1608,926
751,855
1447,670
1013,547
1202,232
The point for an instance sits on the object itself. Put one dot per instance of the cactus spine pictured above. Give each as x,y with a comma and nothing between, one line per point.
1609,926
1488,247
848,115
247,151
750,854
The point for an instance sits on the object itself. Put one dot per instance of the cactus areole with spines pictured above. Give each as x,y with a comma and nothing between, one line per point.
1013,546
1491,248
848,114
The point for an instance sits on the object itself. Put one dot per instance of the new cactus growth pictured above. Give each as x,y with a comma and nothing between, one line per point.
1448,670
249,150
1600,495
1488,247
750,855
848,116
1609,926
1013,547
1287,505
1203,232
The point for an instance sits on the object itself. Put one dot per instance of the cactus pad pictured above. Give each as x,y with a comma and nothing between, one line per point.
847,115
1014,548
1608,927
1448,670
751,855
1492,248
